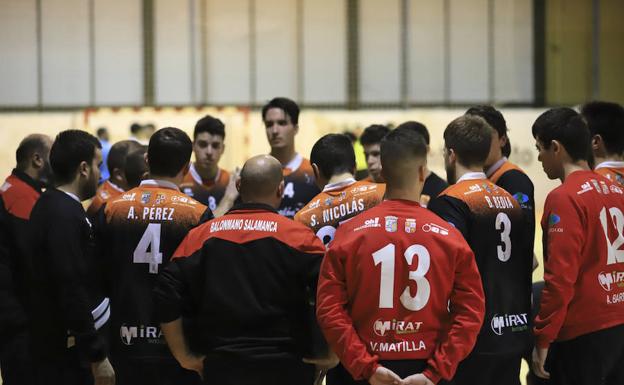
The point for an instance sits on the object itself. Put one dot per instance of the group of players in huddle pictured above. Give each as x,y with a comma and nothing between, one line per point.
291,270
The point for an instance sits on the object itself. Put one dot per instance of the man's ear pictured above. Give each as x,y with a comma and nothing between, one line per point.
296,129
84,169
238,184
37,161
421,173
503,141
556,147
315,169
280,190
596,140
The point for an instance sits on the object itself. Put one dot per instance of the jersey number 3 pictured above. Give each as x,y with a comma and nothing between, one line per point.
503,224
386,257
150,240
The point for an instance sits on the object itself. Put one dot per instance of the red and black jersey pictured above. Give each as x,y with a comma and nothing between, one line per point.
208,193
244,278
493,223
399,283
612,170
337,203
299,186
107,190
137,234
18,195
584,258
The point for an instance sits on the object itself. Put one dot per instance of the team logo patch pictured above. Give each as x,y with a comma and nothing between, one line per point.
145,197
160,199
553,219
410,225
188,191
328,201
391,224
521,198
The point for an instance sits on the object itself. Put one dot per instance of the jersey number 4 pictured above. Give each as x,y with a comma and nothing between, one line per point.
150,240
386,257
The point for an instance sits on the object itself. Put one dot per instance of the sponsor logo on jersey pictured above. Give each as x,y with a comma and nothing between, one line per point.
391,223
188,191
433,228
105,195
373,222
128,197
410,225
145,197
343,196
585,187
315,204
475,188
615,189
515,322
381,327
160,199
521,198
611,279
553,219
149,334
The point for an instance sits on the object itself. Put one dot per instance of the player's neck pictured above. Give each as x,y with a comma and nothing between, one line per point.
411,193
462,170
283,154
608,158
206,173
340,178
569,168
176,180
71,188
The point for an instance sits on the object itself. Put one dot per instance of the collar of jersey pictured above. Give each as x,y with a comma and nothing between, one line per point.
338,185
21,175
472,176
159,183
114,186
610,164
71,195
493,168
295,163
198,179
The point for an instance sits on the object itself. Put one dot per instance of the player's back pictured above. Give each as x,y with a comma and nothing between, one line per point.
400,262
137,234
612,170
337,203
494,225
583,233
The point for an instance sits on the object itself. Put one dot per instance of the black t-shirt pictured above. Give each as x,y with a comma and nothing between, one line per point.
493,224
434,185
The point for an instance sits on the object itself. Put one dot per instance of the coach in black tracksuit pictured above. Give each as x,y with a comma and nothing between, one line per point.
65,310
245,278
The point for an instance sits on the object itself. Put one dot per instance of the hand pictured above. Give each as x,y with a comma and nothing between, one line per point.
103,373
539,359
324,363
194,363
231,193
383,376
417,379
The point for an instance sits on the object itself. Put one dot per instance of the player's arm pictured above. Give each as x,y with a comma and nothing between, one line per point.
174,335
103,253
565,240
230,195
335,322
467,308
68,269
453,211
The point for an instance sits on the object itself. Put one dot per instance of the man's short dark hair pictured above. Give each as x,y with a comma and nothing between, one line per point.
567,127
135,167
101,132
169,151
469,136
70,148
397,148
289,107
29,146
119,152
211,125
333,154
373,134
607,120
496,120
417,127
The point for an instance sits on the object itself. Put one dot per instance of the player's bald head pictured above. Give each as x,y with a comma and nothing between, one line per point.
403,151
260,179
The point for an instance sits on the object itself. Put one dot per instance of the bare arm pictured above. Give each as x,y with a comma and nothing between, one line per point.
174,335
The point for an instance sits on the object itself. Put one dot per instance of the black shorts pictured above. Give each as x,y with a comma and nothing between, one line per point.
275,372
489,369
135,372
595,358
403,368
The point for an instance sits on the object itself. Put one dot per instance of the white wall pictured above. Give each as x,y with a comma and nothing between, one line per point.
248,51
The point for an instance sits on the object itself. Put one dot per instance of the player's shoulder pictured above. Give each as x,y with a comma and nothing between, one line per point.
364,187
312,207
